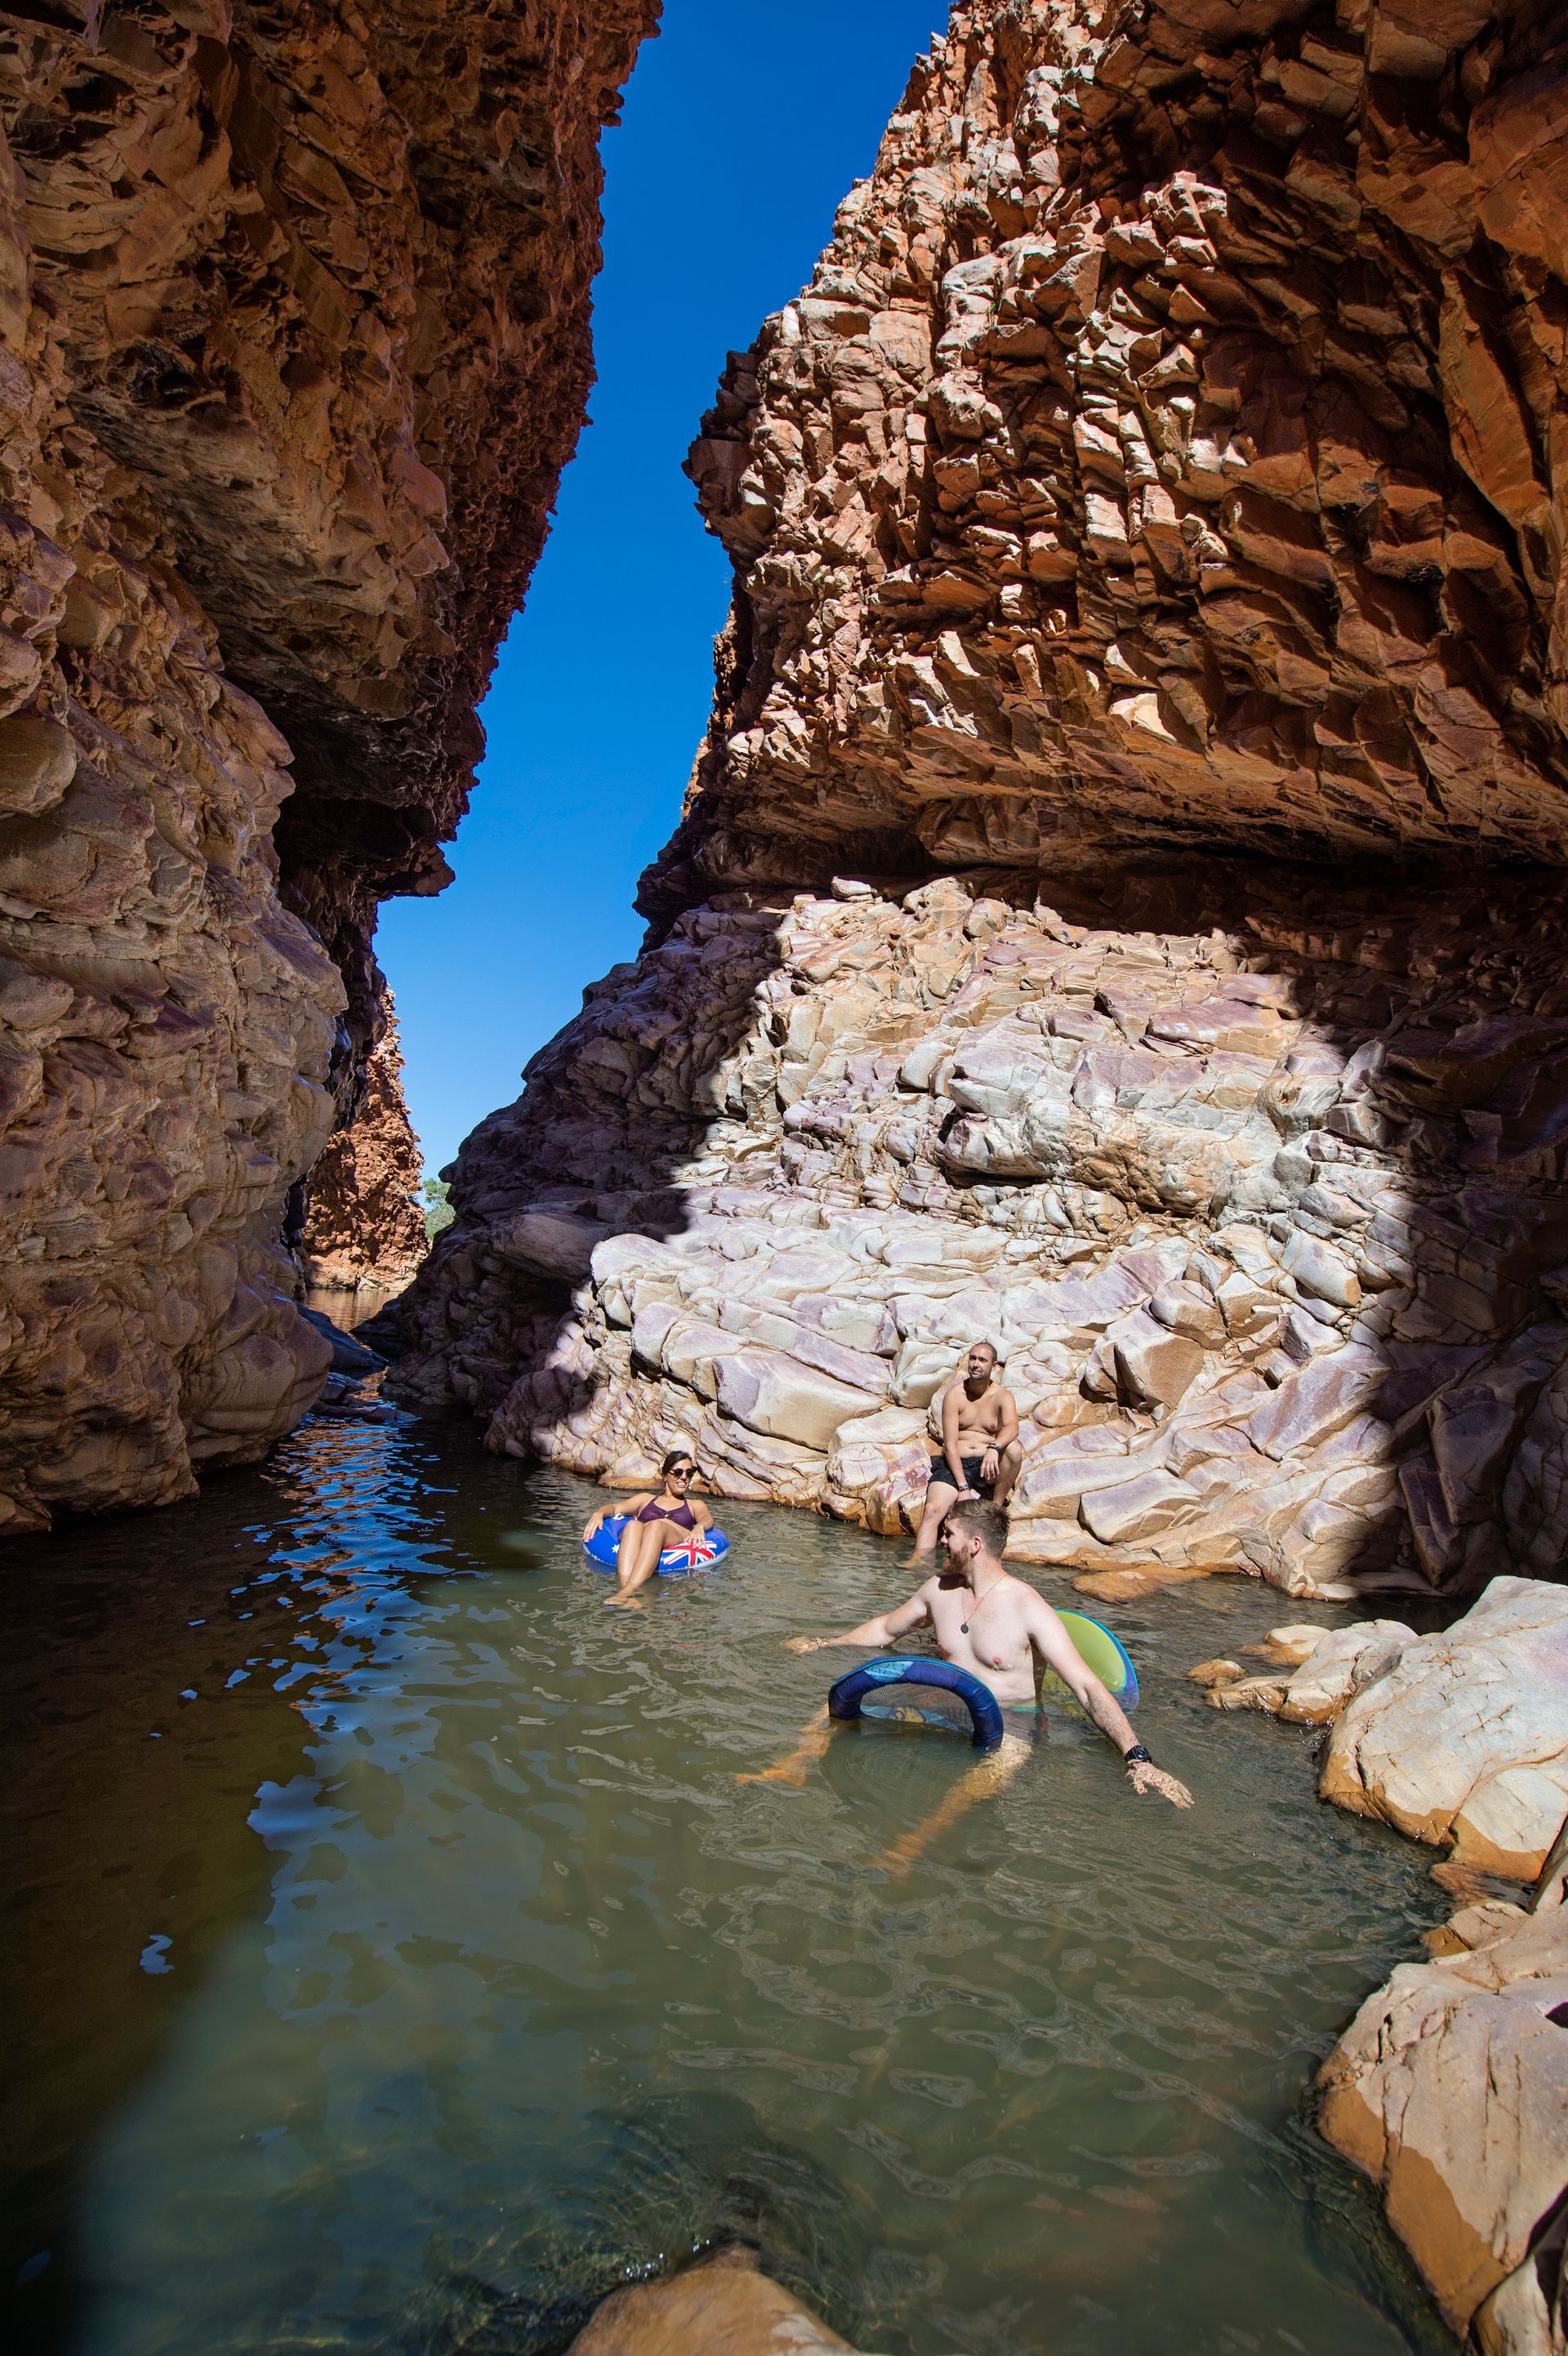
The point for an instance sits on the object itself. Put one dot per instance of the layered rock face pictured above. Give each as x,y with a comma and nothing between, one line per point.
1151,514
364,1231
273,283
1167,451
1450,2089
1258,1310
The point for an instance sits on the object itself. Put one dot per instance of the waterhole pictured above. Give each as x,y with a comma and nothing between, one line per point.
400,1962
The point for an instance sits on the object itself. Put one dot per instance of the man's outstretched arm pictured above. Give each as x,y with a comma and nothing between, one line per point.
1057,1649
816,1736
886,1630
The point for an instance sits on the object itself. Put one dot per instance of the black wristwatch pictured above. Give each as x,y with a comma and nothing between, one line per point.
1136,1757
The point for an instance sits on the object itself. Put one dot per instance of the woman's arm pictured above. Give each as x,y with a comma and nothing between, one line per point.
608,1513
884,1630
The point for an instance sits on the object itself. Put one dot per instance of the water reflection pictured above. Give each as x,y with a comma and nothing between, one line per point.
404,1963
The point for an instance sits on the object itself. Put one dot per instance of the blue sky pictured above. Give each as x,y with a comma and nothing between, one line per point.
744,126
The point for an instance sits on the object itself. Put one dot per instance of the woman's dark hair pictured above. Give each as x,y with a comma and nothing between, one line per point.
677,1456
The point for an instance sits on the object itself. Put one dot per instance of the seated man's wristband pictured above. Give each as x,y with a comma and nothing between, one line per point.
1136,1757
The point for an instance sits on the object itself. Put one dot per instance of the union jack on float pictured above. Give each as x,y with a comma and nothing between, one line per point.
692,1554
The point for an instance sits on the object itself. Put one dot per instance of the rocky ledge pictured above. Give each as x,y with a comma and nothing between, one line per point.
1151,515
1458,1738
1450,2087
1276,1281
292,345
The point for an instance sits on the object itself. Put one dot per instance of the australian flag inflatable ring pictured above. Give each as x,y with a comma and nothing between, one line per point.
699,1552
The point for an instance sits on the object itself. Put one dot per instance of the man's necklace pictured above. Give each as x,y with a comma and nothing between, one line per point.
978,1601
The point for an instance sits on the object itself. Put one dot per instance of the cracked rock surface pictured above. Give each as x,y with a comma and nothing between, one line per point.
292,345
1168,449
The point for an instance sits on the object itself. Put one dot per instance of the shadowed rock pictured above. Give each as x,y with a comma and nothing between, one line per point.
294,343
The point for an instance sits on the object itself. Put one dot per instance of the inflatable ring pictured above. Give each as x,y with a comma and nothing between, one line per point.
985,1709
699,1552
1106,1654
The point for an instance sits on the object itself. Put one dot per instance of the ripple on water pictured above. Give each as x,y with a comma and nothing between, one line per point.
486,1984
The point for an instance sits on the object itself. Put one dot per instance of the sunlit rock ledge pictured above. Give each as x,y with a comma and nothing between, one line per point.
1264,1219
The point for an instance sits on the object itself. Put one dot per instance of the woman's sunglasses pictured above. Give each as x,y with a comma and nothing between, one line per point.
683,1472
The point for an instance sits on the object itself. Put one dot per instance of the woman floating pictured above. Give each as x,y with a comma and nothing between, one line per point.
654,1521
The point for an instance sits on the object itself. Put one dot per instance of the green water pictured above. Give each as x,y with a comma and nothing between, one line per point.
400,1964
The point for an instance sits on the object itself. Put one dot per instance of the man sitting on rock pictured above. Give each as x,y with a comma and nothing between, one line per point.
981,1451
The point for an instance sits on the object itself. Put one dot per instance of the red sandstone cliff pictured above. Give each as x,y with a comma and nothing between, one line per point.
364,1228
1148,532
292,345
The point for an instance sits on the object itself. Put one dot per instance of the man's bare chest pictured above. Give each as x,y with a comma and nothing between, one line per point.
981,1415
990,1628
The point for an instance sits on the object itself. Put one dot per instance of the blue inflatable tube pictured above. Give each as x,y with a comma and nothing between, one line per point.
699,1552
985,1709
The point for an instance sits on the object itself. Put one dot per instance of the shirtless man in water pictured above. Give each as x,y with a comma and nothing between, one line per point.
981,1451
1001,1631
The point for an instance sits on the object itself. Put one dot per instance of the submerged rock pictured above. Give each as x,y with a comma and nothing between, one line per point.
722,2305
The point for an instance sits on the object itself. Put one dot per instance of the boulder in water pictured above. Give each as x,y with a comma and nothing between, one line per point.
724,2306
1450,2089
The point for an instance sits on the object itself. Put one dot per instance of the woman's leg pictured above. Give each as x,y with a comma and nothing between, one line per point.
627,1549
636,1562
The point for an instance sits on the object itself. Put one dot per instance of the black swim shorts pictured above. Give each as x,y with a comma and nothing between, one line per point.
942,1471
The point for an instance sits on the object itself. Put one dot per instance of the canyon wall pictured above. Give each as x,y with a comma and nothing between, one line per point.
294,343
1117,907
364,1235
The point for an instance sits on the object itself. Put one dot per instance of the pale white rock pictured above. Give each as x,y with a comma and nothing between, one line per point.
1339,1664
770,1392
1450,2090
1423,1746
